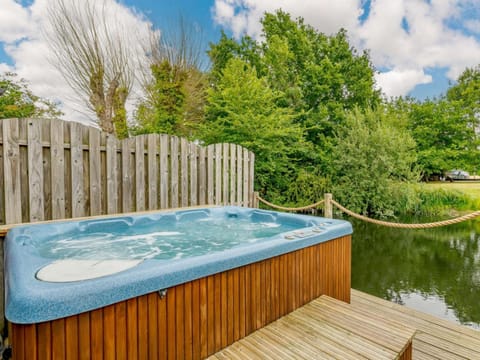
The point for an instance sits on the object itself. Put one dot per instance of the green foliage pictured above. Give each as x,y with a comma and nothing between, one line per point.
120,114
318,76
18,101
162,111
305,103
466,95
314,78
370,159
241,109
444,135
175,101
439,201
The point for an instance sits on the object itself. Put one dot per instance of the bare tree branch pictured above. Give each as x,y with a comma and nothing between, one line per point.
93,53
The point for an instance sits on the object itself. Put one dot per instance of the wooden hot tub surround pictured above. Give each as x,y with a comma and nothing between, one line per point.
195,319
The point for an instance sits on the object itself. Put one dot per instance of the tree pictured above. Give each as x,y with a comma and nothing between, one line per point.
242,109
176,85
371,157
162,111
466,94
444,136
318,77
17,100
93,56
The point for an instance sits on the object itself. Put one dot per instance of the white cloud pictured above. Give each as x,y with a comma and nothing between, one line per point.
243,16
404,37
14,21
400,82
23,35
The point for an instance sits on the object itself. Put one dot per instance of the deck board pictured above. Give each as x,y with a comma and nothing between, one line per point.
326,328
435,337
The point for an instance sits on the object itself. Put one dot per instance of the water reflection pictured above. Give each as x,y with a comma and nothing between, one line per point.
435,271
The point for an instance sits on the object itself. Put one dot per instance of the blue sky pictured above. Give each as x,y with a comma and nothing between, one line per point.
419,47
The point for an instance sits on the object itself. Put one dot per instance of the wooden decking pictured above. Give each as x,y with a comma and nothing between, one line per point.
369,328
435,338
325,328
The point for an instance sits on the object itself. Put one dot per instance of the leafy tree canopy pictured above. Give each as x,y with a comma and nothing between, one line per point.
315,73
466,92
371,157
444,135
18,101
241,109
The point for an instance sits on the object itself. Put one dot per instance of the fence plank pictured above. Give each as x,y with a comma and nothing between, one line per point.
35,171
127,176
95,172
57,161
251,176
140,173
246,174
11,156
233,170
46,168
202,176
152,171
164,171
112,169
193,160
239,174
225,172
76,154
174,171
184,172
210,174
218,174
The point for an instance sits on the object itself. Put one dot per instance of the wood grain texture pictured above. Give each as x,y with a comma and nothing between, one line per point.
140,173
11,171
164,172
112,168
174,167
76,162
198,318
95,172
35,171
152,189
128,175
327,328
55,170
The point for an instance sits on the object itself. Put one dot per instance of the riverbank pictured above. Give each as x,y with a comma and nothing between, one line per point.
447,199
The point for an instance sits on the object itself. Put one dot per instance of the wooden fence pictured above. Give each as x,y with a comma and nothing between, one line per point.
52,169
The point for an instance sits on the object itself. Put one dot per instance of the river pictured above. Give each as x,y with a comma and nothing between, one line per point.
436,271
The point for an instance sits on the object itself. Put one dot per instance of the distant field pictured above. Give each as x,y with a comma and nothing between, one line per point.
471,188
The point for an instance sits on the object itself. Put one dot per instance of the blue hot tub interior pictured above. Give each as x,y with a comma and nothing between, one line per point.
175,246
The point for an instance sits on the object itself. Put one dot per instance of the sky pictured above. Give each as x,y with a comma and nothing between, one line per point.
418,47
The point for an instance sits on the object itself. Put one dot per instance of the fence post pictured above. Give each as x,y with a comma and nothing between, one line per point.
255,200
328,209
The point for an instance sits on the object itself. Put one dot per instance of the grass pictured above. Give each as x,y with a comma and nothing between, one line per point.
448,197
470,188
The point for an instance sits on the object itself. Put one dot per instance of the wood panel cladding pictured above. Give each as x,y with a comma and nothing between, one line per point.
194,319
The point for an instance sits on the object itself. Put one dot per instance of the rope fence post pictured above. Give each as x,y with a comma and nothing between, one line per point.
328,207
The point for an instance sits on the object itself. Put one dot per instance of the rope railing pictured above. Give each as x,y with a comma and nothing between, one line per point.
308,207
404,225
355,215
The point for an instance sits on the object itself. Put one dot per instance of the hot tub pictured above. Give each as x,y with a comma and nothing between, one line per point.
167,284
